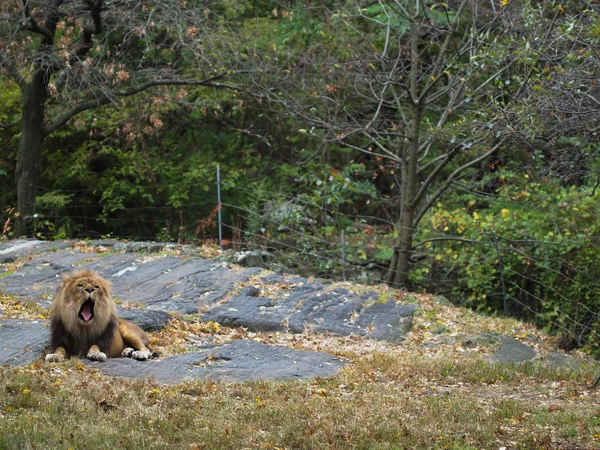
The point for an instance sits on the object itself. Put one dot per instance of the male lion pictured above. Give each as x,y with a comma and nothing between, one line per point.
84,322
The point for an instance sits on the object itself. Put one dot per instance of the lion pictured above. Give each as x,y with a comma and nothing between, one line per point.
84,322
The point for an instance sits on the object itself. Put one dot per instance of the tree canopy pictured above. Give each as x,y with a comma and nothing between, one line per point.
455,144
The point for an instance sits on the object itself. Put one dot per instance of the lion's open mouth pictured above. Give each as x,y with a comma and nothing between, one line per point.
86,313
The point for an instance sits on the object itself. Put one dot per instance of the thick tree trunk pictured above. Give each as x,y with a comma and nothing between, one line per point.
29,155
402,269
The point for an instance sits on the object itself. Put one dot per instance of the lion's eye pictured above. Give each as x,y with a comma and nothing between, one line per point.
80,285
96,287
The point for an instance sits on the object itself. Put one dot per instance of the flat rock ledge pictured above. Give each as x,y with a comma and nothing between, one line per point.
151,286
160,284
241,360
24,341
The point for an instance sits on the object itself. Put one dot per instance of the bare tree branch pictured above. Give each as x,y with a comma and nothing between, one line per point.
30,24
105,99
453,177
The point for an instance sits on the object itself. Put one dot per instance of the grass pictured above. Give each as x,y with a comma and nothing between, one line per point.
380,401
433,391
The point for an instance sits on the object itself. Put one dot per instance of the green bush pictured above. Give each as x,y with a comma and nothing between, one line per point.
547,237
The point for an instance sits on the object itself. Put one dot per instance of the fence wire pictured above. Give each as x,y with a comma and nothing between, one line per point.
306,236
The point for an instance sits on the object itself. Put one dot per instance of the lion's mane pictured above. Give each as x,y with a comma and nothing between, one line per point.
66,307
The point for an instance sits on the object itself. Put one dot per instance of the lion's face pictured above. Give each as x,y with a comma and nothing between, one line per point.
84,301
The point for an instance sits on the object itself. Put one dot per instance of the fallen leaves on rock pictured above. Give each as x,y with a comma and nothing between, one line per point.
14,308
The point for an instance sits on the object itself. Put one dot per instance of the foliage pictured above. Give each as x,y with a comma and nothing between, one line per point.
546,235
9,118
309,122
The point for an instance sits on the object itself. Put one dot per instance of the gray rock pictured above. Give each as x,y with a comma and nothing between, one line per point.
256,314
102,242
160,282
557,359
250,291
139,247
146,319
189,250
22,341
240,360
40,276
12,250
172,284
163,284
311,306
512,351
253,258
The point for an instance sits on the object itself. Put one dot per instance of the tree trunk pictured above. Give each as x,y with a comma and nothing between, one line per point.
405,242
399,267
400,264
29,155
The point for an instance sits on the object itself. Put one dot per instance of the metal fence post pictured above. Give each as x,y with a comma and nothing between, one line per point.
501,269
343,257
219,206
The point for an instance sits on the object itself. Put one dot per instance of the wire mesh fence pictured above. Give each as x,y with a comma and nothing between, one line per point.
512,273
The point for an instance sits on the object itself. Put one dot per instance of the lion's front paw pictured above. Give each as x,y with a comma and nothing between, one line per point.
142,355
54,357
127,352
96,356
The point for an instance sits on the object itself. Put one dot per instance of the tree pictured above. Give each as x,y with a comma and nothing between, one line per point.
421,87
558,112
71,56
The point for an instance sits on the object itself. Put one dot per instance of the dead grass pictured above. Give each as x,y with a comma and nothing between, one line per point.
380,401
432,391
